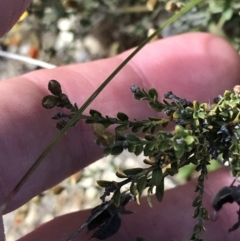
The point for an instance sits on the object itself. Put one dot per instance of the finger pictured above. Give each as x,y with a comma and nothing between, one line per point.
191,65
10,12
168,220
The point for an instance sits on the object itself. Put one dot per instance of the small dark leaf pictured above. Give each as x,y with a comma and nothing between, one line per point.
121,116
60,125
103,183
54,87
133,189
95,112
121,128
136,129
160,191
116,150
141,184
199,187
138,150
132,138
64,101
156,107
117,198
120,175
198,168
148,149
196,212
149,162
50,101
149,197
131,147
153,93
157,176
197,201
132,171
107,151
149,137
153,128
205,214
174,168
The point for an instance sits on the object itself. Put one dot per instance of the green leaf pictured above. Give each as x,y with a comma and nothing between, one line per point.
149,192
153,128
136,129
133,138
121,128
103,183
138,150
120,175
133,189
149,137
131,147
121,116
141,184
117,198
148,149
199,187
189,140
196,212
179,130
153,93
116,150
174,168
196,105
107,151
157,176
197,201
95,112
202,115
54,87
50,101
132,171
205,214
179,153
148,162
156,106
198,167
227,14
160,191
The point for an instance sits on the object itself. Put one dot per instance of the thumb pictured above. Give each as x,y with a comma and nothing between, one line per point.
10,12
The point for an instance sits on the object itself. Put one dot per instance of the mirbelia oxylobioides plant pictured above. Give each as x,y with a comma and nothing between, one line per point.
202,132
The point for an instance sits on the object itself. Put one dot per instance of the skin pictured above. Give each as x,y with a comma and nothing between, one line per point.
194,66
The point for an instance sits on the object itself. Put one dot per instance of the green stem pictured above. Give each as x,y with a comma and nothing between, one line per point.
78,115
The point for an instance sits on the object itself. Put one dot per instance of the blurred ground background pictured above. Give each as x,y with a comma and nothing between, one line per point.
70,31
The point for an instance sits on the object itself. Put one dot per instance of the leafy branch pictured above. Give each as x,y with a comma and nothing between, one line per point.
202,132
78,114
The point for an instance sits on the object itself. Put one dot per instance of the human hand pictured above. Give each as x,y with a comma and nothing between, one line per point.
194,66
10,12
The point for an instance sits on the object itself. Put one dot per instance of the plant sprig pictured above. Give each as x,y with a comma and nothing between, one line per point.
78,114
202,132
